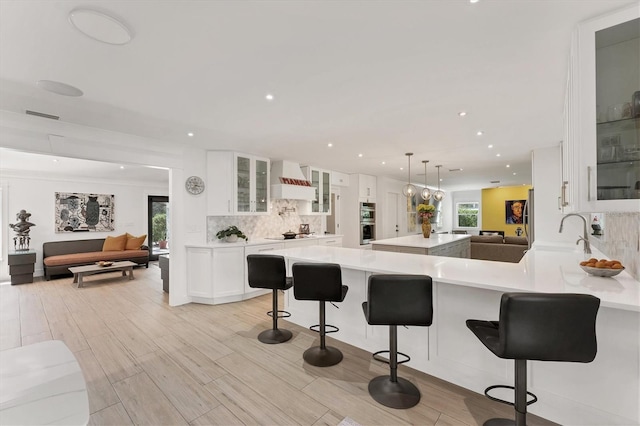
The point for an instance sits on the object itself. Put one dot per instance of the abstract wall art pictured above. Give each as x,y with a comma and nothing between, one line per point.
76,212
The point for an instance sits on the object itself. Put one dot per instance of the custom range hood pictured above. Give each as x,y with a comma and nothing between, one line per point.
288,182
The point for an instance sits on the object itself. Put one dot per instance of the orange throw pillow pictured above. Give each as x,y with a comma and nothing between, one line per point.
115,243
134,243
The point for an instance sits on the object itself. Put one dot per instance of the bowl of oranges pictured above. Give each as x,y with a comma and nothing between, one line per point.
602,267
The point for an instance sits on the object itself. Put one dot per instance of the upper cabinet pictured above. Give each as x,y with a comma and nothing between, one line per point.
238,184
367,188
602,126
321,183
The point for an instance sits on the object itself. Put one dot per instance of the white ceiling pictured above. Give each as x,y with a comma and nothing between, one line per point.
378,78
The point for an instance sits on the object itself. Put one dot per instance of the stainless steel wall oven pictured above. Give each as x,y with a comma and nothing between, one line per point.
367,222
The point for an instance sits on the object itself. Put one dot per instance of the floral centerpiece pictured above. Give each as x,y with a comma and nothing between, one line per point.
231,234
426,212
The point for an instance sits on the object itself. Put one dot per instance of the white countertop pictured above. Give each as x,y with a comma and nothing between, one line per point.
419,241
542,269
42,384
258,241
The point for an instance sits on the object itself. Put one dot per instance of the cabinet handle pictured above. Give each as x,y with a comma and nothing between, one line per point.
588,183
564,202
559,204
331,241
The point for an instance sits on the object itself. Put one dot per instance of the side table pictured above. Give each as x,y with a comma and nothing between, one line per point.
21,266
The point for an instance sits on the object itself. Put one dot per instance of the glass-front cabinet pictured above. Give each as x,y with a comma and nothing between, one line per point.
604,113
321,183
237,184
252,177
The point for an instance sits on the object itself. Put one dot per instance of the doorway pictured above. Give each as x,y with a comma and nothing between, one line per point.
391,226
333,220
158,214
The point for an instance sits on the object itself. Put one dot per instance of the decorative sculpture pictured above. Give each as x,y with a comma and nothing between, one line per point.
21,228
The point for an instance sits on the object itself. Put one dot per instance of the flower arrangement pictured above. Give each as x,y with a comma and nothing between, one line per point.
426,210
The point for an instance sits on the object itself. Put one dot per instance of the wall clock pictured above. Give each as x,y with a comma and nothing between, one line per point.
194,185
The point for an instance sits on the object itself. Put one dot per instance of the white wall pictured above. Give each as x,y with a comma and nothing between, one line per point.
36,195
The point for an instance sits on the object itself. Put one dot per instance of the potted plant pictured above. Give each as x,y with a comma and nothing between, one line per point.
426,212
159,229
231,234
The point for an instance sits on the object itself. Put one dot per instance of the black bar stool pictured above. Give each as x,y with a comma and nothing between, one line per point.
269,271
539,327
395,300
322,282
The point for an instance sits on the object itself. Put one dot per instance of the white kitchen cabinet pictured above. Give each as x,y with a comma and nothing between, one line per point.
367,188
215,274
302,242
258,249
321,183
237,184
334,241
339,179
602,133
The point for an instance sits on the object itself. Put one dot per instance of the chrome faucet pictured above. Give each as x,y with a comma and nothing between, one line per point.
585,234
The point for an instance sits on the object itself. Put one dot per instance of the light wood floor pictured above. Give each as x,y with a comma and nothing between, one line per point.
148,363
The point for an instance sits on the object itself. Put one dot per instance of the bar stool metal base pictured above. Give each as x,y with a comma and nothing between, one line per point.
273,337
499,422
322,357
400,394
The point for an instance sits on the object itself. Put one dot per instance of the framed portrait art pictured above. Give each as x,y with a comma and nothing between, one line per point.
514,211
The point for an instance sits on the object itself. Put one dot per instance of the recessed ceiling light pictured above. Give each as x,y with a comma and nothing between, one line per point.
473,1
121,167
508,165
401,168
59,88
360,155
100,26
329,145
479,133
462,113
269,97
498,155
514,173
55,160
383,163
190,134
490,146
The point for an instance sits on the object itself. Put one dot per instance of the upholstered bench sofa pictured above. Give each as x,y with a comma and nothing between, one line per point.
495,247
58,256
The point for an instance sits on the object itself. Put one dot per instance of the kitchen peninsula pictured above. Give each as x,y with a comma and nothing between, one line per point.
605,391
436,245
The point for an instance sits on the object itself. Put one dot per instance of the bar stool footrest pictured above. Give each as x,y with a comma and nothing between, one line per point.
281,314
386,361
316,328
502,401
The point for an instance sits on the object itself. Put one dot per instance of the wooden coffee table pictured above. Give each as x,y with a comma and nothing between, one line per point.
80,271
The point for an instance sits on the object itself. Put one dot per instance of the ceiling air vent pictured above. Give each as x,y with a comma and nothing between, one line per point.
43,115
495,181
455,170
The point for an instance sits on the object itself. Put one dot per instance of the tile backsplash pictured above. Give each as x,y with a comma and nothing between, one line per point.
621,240
284,217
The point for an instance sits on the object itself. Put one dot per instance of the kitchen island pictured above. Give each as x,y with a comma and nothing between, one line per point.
436,245
605,391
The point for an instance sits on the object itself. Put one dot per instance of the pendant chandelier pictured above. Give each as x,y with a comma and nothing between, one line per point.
438,195
409,190
426,192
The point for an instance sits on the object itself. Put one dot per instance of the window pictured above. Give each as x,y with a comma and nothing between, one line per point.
467,214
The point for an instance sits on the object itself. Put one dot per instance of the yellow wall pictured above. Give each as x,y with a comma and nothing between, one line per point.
493,207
